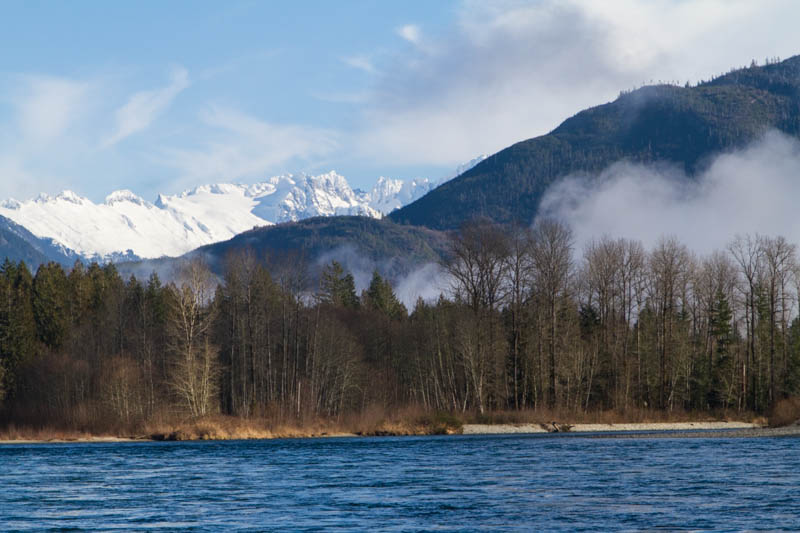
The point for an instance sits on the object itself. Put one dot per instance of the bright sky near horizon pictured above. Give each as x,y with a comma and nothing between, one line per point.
163,96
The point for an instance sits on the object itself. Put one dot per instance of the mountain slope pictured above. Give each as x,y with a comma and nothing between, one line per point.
681,125
360,243
398,248
18,244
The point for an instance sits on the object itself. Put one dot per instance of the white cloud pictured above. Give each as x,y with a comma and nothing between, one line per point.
42,131
47,106
241,146
427,282
14,179
411,33
513,70
361,63
754,190
146,106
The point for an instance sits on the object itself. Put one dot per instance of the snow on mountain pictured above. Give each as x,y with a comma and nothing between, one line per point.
389,194
460,169
125,226
289,198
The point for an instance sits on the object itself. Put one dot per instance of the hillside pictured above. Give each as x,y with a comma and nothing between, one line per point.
400,248
359,242
19,244
680,125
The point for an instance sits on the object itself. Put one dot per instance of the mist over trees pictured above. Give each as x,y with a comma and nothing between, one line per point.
528,323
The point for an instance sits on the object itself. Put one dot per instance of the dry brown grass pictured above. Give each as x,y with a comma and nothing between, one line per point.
409,420
220,427
372,421
785,413
13,432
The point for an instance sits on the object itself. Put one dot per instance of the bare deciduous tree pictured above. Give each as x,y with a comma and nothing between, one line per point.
748,255
779,262
552,265
194,376
669,263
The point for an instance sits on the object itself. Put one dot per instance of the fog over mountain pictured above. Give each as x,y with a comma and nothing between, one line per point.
753,190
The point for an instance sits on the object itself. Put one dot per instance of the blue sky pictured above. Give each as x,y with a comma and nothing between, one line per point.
163,96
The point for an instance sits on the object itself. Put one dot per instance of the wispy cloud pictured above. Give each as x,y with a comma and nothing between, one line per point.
360,62
241,146
43,127
144,107
47,106
645,202
511,70
411,33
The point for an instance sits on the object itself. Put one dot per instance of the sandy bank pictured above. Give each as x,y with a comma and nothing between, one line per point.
489,429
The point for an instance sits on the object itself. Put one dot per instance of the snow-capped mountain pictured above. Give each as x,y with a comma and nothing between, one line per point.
126,226
460,169
389,194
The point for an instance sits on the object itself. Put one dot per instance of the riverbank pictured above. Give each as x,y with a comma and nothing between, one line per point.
219,428
67,440
553,427
727,429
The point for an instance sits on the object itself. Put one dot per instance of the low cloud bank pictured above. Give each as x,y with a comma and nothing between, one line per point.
754,190
427,281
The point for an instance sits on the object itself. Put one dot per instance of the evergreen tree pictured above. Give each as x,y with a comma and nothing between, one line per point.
17,324
381,297
720,328
50,304
338,287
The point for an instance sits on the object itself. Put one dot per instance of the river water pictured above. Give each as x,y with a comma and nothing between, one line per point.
458,483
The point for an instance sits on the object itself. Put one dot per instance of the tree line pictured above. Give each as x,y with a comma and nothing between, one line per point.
527,322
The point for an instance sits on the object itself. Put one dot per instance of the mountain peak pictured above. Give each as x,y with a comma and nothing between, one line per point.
123,195
10,203
71,197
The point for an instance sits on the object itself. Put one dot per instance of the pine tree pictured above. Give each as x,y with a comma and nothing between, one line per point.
338,287
50,304
381,297
721,334
17,324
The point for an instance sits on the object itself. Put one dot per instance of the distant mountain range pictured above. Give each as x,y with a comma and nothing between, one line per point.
127,227
680,126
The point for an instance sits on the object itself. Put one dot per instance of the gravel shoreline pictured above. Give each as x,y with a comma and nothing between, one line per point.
640,430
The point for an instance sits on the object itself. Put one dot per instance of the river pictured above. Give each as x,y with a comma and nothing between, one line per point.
455,483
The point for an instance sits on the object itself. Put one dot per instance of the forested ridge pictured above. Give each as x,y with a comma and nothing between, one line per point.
527,323
399,248
680,125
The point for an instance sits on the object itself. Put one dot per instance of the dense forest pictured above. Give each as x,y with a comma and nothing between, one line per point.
527,323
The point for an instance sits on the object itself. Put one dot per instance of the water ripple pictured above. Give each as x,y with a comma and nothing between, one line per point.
467,483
